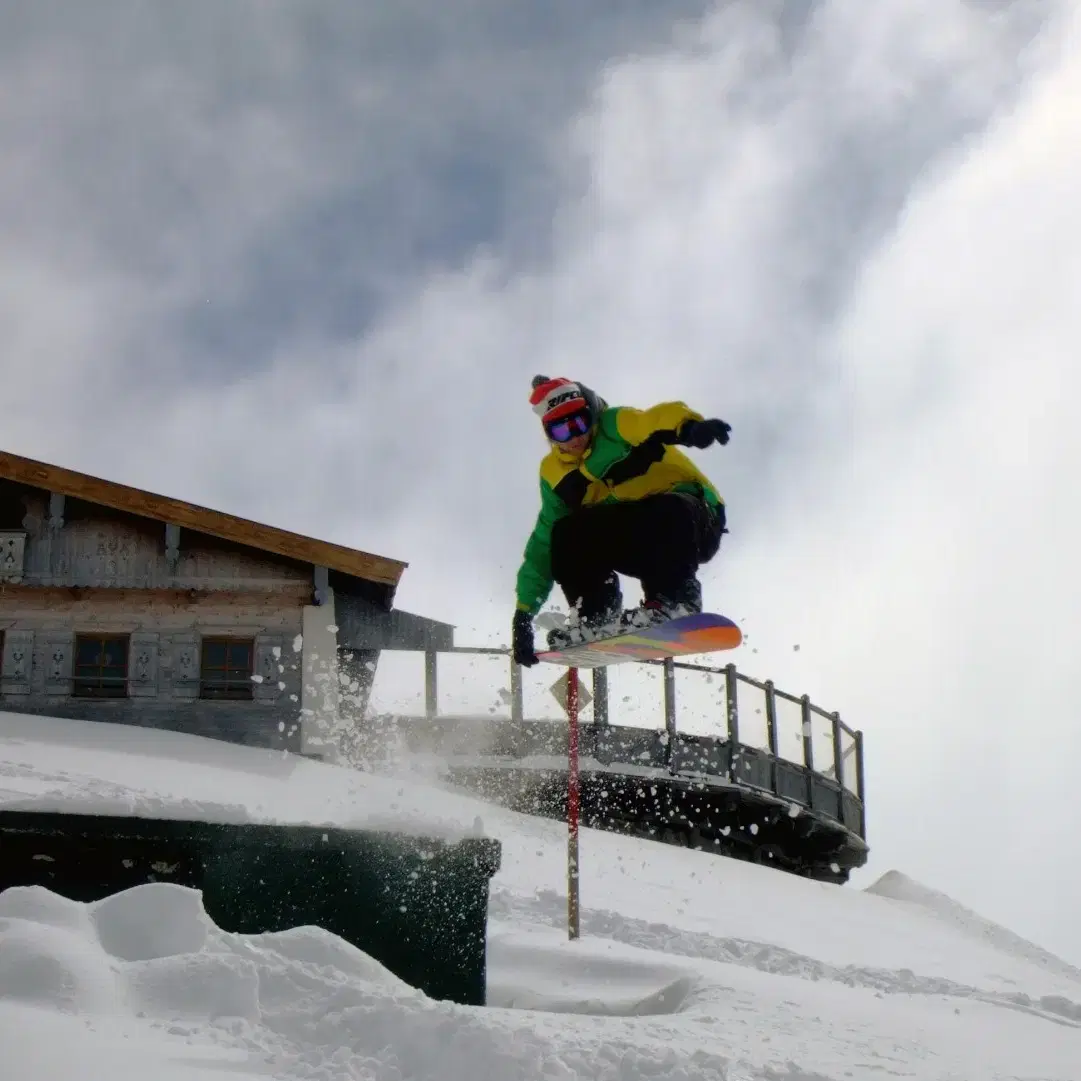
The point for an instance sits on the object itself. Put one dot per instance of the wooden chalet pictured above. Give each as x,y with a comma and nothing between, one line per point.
124,606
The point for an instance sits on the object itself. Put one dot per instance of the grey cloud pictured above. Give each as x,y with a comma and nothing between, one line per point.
264,169
713,203
719,240
259,192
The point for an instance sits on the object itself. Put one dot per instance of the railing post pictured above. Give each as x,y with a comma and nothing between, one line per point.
808,747
860,785
731,701
431,688
517,710
771,733
670,708
731,698
600,696
808,742
838,752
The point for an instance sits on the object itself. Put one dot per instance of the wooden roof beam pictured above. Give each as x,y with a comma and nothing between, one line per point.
60,482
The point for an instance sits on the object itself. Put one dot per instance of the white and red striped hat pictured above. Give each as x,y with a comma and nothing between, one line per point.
555,398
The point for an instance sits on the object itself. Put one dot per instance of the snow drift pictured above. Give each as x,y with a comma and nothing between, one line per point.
691,965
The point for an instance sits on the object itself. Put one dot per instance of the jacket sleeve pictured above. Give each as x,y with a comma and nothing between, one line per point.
638,425
535,574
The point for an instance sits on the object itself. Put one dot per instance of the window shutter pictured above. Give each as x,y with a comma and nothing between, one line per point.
185,657
18,662
143,664
12,556
268,654
59,650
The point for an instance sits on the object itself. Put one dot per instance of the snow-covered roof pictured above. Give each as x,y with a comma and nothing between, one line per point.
85,767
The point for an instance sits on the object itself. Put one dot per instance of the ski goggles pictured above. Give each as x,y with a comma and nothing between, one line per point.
567,428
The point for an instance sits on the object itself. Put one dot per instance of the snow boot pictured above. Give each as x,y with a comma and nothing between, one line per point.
597,615
663,606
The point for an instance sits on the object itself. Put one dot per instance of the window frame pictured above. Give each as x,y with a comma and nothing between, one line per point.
237,684
100,686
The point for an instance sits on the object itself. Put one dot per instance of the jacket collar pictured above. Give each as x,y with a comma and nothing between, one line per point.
571,459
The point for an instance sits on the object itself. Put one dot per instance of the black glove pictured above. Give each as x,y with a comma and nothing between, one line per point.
703,433
522,639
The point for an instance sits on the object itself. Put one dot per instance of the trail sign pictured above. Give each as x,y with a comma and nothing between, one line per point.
559,692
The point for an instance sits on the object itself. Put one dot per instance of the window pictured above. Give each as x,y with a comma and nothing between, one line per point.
226,668
101,666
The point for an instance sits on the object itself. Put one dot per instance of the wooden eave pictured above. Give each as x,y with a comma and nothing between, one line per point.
67,482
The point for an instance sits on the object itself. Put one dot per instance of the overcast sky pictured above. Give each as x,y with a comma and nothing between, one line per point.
299,262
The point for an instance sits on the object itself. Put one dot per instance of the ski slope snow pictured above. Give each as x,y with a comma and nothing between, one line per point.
691,966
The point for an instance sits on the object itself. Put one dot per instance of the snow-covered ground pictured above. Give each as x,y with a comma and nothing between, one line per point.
690,966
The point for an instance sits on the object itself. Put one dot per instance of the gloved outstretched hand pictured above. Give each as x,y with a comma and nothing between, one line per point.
522,640
703,433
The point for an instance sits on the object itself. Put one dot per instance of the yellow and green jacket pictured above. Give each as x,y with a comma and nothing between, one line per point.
625,461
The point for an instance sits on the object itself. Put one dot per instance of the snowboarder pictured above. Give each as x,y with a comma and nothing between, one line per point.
616,498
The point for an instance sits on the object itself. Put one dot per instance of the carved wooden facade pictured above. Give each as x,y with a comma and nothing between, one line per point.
107,613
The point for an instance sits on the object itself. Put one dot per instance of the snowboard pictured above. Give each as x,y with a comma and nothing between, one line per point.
703,632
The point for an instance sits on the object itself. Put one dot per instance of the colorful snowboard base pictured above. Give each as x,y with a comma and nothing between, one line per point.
703,632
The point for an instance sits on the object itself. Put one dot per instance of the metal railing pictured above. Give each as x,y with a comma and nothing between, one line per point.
847,743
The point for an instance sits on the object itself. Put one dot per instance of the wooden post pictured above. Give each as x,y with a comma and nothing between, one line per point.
771,733
670,710
600,696
517,711
860,785
838,750
808,747
573,920
731,708
731,702
431,685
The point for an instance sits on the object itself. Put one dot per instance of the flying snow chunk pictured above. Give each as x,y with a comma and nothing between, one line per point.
298,643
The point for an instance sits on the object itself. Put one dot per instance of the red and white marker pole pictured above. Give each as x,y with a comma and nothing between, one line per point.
572,805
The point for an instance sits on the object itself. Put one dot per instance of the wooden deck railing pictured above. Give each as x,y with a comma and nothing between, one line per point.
845,767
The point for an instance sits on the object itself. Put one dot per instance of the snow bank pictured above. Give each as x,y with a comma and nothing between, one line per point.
899,887
641,893
143,984
690,965
299,1004
660,897
542,971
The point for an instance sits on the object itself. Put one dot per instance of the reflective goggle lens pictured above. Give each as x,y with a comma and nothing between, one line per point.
567,428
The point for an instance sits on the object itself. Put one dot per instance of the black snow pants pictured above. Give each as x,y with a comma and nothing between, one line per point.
660,540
